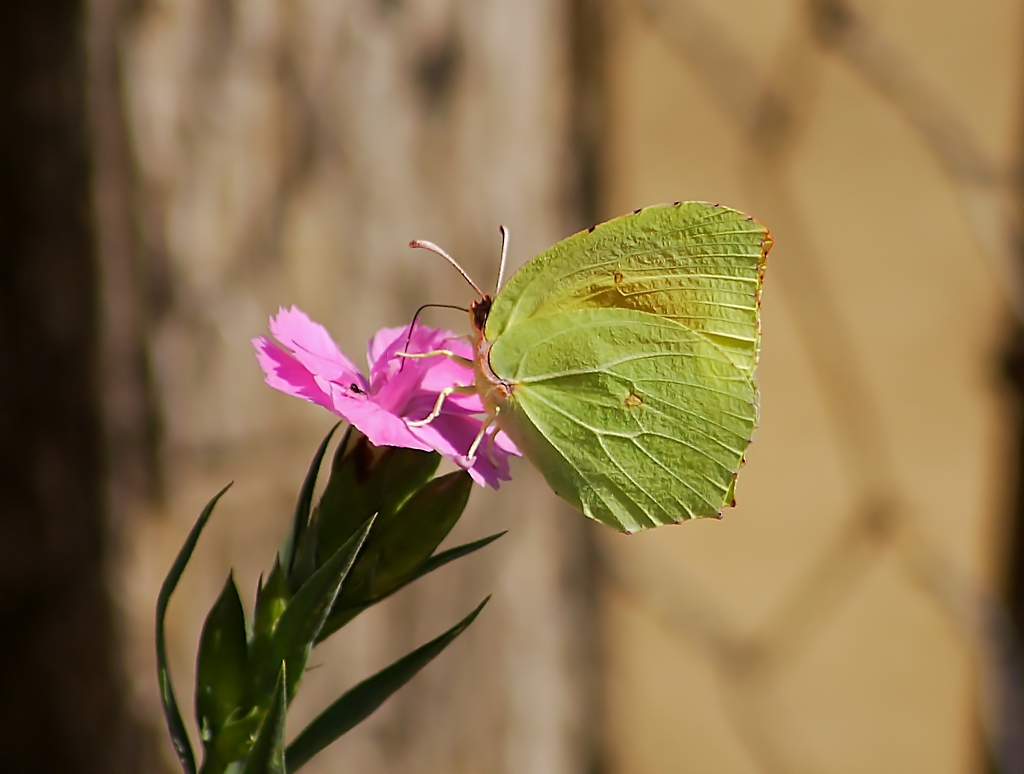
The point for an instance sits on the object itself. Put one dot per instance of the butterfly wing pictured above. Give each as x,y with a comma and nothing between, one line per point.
634,419
698,264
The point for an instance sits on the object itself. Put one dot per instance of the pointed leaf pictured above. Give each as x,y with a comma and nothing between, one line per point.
303,508
305,560
339,617
220,665
179,736
304,563
271,600
400,544
366,480
299,625
456,552
234,740
267,755
361,701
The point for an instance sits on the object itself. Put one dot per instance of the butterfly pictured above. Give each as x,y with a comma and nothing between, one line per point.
621,361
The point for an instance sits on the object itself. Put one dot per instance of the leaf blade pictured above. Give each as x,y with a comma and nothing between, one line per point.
338,618
366,480
402,542
304,506
300,623
267,754
455,552
359,702
175,725
221,662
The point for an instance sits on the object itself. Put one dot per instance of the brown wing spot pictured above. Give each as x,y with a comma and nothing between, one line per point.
633,400
617,277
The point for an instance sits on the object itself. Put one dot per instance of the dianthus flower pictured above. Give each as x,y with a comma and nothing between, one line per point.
398,390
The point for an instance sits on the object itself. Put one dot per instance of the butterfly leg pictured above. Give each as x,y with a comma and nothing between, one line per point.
491,438
434,353
453,390
475,446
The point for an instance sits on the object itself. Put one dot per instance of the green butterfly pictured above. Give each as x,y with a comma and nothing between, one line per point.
621,361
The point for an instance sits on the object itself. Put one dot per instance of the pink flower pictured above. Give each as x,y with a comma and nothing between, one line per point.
399,390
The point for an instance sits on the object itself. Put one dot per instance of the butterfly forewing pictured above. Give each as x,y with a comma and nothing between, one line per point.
698,264
634,419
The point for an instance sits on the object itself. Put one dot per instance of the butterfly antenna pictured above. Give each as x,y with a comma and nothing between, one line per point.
416,317
435,249
504,255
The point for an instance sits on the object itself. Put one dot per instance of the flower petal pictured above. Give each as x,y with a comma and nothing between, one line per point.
452,435
381,342
399,389
379,425
285,373
313,346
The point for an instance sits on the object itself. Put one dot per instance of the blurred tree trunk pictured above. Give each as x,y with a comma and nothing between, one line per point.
62,706
1013,366
1014,570
287,154
131,422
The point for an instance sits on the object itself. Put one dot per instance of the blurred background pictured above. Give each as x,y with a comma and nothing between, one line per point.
171,172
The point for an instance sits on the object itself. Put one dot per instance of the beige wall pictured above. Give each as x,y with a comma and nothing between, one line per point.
797,634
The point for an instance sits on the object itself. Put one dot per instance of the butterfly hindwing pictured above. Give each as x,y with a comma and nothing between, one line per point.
634,419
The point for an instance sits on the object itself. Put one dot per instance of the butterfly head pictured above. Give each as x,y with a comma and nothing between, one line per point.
478,312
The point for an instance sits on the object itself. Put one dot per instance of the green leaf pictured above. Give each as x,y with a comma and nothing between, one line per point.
339,617
220,665
179,736
267,755
304,562
456,552
366,480
361,701
302,510
302,619
271,600
233,742
399,545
